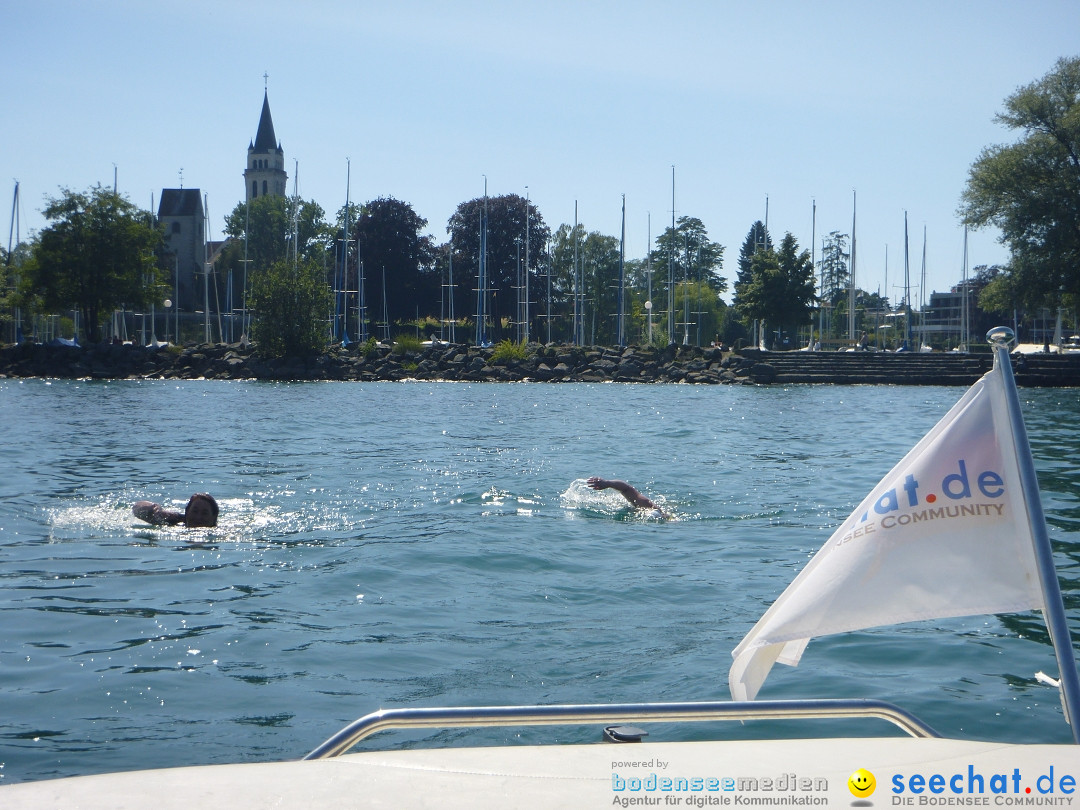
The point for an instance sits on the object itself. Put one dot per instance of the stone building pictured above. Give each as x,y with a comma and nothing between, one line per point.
265,172
181,213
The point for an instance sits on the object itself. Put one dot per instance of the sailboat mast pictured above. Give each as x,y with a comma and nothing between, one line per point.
851,280
577,285
648,265
385,312
813,265
296,215
206,273
526,279
341,303
686,294
886,279
484,267
13,231
450,291
621,337
922,294
550,266
907,288
244,317
671,269
964,298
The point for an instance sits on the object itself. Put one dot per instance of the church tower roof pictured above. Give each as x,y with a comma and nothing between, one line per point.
265,173
265,140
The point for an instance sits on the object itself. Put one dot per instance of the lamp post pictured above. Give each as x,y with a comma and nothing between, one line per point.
168,305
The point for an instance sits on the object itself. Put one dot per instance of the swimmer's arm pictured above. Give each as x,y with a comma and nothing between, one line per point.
154,513
627,491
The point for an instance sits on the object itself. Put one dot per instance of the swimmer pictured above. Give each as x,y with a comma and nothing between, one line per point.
636,499
201,512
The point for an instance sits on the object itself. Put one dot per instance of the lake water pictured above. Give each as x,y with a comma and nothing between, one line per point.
416,544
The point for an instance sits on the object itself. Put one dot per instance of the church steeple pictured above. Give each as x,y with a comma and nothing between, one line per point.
265,172
265,140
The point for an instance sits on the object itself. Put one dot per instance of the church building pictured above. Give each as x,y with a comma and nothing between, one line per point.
265,172
181,212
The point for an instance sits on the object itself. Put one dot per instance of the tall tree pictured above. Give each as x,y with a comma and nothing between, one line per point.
600,268
996,291
392,246
780,290
681,257
563,281
798,285
696,256
267,230
835,273
1031,189
756,239
268,225
505,240
98,253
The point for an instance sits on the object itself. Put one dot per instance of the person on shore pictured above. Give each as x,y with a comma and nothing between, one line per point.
636,499
201,512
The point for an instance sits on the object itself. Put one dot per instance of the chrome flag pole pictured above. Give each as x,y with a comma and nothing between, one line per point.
1001,338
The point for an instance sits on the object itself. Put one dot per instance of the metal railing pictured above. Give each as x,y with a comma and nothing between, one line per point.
470,717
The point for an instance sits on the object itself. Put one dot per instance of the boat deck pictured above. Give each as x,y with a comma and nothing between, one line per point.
794,773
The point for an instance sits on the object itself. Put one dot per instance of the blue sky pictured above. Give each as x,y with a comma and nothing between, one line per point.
581,101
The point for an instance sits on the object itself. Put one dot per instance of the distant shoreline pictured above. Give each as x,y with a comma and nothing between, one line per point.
551,363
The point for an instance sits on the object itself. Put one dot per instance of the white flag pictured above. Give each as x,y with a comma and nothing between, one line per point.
945,533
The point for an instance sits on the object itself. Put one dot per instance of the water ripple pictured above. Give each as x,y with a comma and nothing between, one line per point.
386,544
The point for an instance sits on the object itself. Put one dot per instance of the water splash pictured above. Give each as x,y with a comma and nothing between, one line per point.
582,500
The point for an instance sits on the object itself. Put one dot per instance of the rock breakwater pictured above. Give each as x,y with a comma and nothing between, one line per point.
551,363
452,362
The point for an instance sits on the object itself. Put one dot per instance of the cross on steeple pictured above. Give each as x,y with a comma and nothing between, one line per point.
266,78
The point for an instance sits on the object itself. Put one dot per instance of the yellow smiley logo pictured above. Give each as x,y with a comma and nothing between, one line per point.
861,783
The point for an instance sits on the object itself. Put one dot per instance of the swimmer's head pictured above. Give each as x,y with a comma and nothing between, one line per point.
201,511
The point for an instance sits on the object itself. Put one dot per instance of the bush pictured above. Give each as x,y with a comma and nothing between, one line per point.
403,344
290,306
507,350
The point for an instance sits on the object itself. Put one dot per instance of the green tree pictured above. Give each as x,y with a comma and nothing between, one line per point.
835,274
7,294
1031,189
835,277
679,258
505,235
563,285
389,233
290,303
756,239
264,231
98,252
706,314
600,270
267,224
780,290
996,290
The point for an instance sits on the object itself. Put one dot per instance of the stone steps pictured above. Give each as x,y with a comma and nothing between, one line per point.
848,368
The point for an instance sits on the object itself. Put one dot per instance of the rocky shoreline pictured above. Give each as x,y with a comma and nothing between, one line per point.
550,363
439,362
